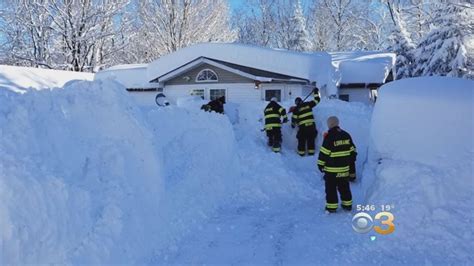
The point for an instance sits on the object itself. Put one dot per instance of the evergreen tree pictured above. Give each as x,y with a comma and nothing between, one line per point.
403,47
299,40
447,49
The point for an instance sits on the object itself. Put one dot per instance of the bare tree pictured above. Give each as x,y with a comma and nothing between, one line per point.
168,25
75,35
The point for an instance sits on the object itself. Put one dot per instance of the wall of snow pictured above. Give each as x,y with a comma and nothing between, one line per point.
426,120
21,79
76,170
87,177
421,160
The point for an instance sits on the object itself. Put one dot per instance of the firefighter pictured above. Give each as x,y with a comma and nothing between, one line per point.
303,118
216,105
335,157
352,166
273,115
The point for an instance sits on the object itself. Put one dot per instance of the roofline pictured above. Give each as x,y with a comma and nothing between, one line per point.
199,60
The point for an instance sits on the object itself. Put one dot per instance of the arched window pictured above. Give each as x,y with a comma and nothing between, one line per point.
206,75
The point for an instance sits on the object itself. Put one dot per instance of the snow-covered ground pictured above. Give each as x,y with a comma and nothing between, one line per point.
87,176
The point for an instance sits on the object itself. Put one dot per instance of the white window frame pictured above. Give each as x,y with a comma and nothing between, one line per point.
272,89
207,80
210,89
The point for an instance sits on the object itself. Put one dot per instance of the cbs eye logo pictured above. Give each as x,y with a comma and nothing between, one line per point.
362,223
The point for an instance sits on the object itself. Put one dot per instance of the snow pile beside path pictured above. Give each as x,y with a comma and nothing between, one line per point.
77,174
421,160
429,121
21,79
86,177
201,167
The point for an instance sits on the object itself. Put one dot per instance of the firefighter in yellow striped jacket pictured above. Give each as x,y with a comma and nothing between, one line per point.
335,157
273,115
303,118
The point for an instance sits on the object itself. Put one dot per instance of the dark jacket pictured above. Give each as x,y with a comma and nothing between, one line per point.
337,153
273,115
216,105
303,113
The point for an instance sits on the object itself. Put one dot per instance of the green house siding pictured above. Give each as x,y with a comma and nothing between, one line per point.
223,76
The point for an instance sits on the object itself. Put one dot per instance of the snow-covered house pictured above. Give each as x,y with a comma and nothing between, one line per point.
239,72
360,74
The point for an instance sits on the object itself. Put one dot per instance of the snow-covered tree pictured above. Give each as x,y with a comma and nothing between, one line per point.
401,44
27,33
263,23
320,31
447,49
168,25
76,35
299,39
344,25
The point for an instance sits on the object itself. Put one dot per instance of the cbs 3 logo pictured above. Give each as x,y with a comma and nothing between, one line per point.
362,223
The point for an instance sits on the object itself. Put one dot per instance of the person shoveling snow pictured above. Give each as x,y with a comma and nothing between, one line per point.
303,118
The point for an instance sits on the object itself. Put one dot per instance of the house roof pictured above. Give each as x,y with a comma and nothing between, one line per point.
248,72
363,66
131,76
126,67
308,66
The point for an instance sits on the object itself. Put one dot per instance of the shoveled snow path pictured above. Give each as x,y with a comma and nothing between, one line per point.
285,229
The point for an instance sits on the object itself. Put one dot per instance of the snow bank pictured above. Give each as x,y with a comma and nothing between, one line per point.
311,66
421,160
201,167
86,177
77,169
426,120
20,79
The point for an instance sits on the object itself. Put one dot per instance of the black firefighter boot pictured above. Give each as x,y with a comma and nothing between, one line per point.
276,147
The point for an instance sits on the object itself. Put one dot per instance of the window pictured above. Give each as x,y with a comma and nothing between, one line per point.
344,97
198,92
269,94
216,93
206,75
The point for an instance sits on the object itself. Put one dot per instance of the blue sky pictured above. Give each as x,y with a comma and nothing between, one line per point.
234,4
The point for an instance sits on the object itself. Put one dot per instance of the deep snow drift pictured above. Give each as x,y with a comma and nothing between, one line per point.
82,170
87,176
421,159
21,79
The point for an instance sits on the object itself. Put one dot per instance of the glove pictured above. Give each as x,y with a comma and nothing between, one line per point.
285,120
316,90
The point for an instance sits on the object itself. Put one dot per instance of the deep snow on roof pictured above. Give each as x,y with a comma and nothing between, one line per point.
363,66
21,79
126,67
131,75
310,66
